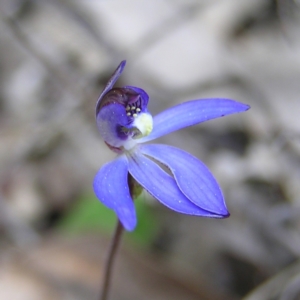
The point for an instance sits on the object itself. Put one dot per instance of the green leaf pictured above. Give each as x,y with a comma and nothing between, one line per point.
89,215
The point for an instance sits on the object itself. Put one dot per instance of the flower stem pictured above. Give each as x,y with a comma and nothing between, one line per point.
115,242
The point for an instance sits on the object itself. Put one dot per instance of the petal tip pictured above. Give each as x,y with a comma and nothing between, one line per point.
224,213
227,215
247,107
240,107
219,215
122,65
127,217
128,225
130,228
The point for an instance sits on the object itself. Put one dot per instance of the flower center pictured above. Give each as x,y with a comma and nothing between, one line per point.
122,117
133,109
144,123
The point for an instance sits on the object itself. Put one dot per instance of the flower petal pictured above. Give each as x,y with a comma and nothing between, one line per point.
193,178
110,120
111,82
111,187
162,186
191,113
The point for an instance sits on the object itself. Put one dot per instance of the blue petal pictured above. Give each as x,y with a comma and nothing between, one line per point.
111,187
192,176
162,186
110,119
111,82
191,113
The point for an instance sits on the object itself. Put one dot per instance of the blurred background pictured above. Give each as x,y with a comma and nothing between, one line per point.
56,56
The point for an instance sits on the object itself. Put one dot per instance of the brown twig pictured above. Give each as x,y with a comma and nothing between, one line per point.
115,242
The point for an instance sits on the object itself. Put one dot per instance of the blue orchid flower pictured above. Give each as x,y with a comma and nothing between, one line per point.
174,177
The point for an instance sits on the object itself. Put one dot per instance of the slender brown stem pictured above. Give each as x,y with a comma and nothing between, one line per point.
115,242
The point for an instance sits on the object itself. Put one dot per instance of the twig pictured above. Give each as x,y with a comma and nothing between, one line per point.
110,261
